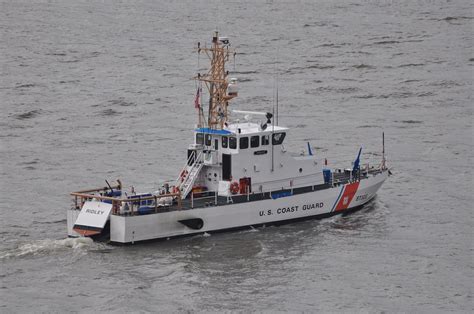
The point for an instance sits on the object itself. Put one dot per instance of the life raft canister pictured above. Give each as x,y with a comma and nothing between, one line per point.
234,187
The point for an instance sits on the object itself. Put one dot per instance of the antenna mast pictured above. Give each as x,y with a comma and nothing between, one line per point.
277,100
216,81
383,150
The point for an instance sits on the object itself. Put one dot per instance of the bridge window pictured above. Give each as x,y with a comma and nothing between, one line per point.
244,143
278,138
199,138
232,142
265,140
255,141
225,142
208,139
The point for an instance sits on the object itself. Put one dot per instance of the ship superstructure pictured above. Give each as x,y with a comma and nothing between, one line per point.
236,174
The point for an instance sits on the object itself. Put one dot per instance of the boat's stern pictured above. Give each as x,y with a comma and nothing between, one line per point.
92,211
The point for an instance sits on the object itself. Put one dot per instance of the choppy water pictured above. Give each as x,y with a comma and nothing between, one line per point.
102,90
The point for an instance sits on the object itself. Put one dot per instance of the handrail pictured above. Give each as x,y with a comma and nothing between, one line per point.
186,165
194,165
116,201
123,200
118,186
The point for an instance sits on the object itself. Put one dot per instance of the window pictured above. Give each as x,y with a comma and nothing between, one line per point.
225,142
265,140
199,138
208,139
254,141
278,138
244,143
232,142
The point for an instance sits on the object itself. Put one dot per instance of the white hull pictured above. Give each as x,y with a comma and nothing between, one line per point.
130,229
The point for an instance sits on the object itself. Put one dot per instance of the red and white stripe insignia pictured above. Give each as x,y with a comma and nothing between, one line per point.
349,191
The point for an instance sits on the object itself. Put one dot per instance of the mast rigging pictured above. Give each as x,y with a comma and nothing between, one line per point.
216,81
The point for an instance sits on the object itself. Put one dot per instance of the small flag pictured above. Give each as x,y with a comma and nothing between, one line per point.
357,161
196,100
310,152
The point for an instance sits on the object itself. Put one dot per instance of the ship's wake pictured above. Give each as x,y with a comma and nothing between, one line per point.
44,247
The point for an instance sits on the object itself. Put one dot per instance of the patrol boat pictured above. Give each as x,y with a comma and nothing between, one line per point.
237,174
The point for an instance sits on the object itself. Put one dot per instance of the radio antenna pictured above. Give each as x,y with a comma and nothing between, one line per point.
276,75
277,99
383,149
271,139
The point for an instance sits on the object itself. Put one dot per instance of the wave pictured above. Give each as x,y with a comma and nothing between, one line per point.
244,79
342,90
366,126
333,45
410,81
28,115
386,42
411,65
320,67
363,66
25,85
319,24
400,95
244,72
121,102
410,121
456,18
46,246
109,112
61,221
69,61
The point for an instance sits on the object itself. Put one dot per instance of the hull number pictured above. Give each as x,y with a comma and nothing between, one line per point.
361,197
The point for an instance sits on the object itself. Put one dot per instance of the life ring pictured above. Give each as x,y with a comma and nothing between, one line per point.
183,175
234,187
175,189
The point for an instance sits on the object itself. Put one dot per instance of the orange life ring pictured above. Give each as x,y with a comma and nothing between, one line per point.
234,187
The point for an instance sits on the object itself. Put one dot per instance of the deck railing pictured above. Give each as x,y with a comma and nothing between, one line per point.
134,202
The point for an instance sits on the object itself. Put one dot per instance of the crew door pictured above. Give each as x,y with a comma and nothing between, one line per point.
226,167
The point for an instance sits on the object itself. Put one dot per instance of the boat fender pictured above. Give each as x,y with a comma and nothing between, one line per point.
234,187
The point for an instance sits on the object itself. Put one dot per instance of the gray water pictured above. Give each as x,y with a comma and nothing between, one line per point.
103,90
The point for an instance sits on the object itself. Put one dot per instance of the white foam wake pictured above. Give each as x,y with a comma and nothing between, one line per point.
46,246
